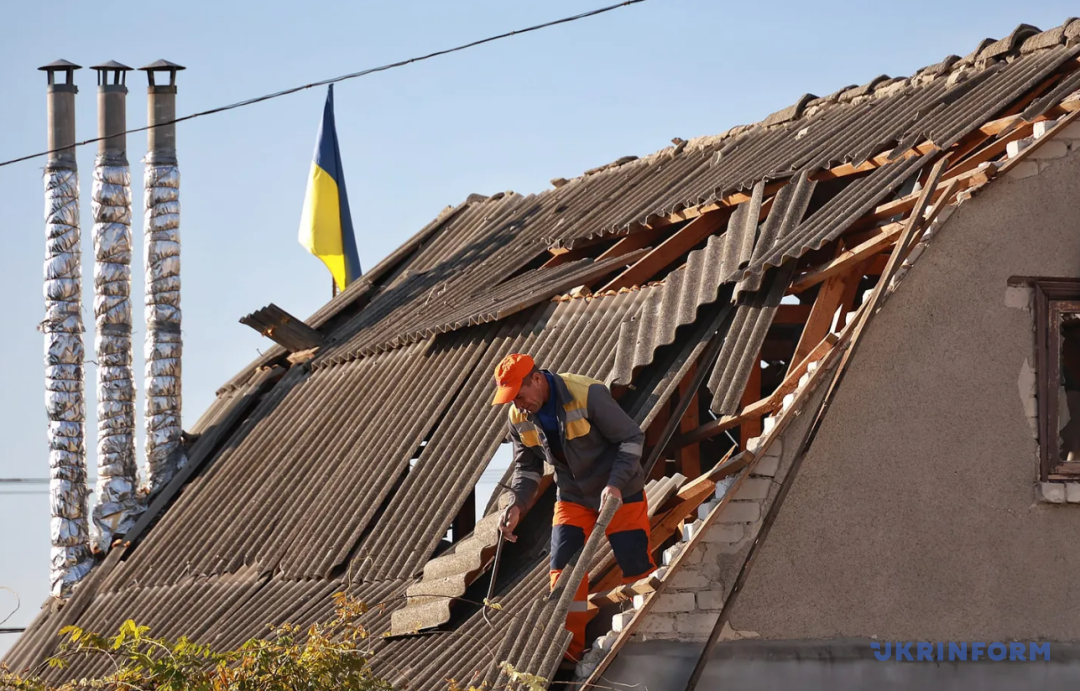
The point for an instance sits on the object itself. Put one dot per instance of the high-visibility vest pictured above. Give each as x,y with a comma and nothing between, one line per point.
576,425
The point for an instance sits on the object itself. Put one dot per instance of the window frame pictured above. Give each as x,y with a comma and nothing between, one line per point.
1053,297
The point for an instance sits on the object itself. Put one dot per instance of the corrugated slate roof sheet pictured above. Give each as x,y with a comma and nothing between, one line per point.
347,472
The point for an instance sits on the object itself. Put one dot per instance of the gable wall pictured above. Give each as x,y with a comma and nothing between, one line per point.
915,513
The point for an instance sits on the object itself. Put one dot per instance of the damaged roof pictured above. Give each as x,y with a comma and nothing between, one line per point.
333,473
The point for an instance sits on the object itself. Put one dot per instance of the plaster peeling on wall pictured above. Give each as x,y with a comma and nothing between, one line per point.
730,634
1019,297
1025,383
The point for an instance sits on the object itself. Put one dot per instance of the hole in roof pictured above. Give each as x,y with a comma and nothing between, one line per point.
487,489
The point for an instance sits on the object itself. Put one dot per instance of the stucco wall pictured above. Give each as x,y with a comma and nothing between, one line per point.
914,515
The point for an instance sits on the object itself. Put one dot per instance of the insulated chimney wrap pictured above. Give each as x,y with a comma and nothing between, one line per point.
164,343
118,503
63,328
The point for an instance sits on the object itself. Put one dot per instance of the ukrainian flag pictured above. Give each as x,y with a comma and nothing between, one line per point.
326,227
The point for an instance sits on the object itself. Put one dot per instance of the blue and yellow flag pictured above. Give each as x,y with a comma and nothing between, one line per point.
326,227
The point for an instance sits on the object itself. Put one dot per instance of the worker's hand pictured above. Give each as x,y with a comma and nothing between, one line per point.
510,518
610,491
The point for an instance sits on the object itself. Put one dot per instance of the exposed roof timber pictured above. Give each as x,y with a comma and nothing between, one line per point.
830,298
716,334
763,407
906,204
646,237
614,596
792,314
881,159
728,200
668,251
688,460
991,151
848,258
991,128
875,266
1035,145
851,335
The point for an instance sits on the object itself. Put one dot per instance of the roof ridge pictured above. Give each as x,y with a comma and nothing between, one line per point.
1024,40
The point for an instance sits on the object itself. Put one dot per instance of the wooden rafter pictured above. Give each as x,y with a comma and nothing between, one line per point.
580,250
710,429
725,202
643,238
906,204
791,314
829,299
848,259
751,427
992,128
669,250
988,153
653,434
881,159
791,379
688,458
760,408
875,265
872,267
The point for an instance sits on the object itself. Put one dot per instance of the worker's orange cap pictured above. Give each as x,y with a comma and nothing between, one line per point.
509,374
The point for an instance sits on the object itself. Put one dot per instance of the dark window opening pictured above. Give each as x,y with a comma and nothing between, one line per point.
1066,323
1057,372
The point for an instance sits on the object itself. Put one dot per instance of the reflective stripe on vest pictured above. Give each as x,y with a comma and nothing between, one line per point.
530,436
577,425
576,409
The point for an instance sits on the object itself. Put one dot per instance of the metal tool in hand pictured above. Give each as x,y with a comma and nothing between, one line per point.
495,568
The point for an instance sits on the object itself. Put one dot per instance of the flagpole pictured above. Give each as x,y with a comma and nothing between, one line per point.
333,288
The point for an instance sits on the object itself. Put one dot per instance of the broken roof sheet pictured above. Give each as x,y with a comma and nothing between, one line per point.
347,471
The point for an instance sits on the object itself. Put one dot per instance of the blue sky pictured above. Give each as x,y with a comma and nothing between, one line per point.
506,116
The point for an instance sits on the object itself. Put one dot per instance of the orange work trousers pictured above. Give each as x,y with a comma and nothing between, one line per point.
628,535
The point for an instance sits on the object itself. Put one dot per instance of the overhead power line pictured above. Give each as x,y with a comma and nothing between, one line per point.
344,77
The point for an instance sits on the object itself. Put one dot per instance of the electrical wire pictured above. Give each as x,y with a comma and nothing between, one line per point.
334,80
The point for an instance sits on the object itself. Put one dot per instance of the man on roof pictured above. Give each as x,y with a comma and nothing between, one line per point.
573,423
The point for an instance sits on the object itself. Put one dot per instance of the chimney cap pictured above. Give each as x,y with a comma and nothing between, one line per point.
111,65
161,66
60,64
67,69
119,73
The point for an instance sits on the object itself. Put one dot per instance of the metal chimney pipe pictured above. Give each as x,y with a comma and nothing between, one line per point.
161,227
118,504
70,557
